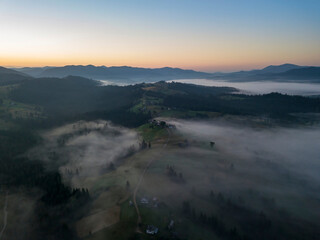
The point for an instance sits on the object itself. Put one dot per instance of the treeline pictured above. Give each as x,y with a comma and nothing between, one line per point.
122,116
196,89
234,221
274,104
15,142
57,202
21,171
72,96
212,222
30,173
174,175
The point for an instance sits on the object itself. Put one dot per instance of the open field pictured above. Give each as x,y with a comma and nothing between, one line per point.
206,170
20,215
96,222
149,132
190,181
10,109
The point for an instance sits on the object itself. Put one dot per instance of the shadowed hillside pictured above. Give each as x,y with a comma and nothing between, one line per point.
8,76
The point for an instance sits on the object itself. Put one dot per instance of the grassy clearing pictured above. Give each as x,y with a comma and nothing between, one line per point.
128,213
122,230
139,107
161,111
146,104
150,133
187,114
119,231
159,217
109,191
20,216
96,222
154,106
16,110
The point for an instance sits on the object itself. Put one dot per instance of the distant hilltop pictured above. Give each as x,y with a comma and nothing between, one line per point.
284,72
115,73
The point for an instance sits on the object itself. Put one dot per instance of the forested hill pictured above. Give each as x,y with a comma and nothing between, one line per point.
68,97
124,73
8,76
77,98
303,73
282,73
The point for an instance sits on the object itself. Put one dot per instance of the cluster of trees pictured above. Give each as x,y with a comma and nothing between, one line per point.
186,97
71,95
174,175
67,136
75,98
15,142
57,199
70,172
145,145
248,223
198,89
122,116
31,173
213,222
111,166
274,104
255,222
71,99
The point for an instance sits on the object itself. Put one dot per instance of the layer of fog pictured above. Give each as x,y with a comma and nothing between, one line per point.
263,87
85,149
295,149
113,83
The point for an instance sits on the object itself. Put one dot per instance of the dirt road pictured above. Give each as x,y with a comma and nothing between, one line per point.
5,216
139,183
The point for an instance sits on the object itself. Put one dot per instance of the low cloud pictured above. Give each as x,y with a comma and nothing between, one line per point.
295,149
85,148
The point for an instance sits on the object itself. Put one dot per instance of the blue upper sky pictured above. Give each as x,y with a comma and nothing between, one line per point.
201,34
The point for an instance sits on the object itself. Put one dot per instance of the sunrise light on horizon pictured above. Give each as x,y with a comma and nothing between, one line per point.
202,35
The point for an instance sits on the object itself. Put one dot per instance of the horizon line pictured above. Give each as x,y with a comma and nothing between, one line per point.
128,66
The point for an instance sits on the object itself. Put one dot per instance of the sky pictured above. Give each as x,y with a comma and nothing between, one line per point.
205,35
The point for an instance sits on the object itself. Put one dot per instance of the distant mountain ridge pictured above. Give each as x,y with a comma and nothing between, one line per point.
32,71
284,72
9,71
119,73
280,68
306,72
9,76
125,74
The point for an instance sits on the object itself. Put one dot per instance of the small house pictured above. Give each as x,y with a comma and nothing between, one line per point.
144,200
152,230
171,224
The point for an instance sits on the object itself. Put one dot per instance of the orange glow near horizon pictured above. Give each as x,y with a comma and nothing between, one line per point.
204,65
220,37
208,53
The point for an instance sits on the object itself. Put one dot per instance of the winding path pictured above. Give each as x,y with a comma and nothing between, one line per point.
139,183
5,216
